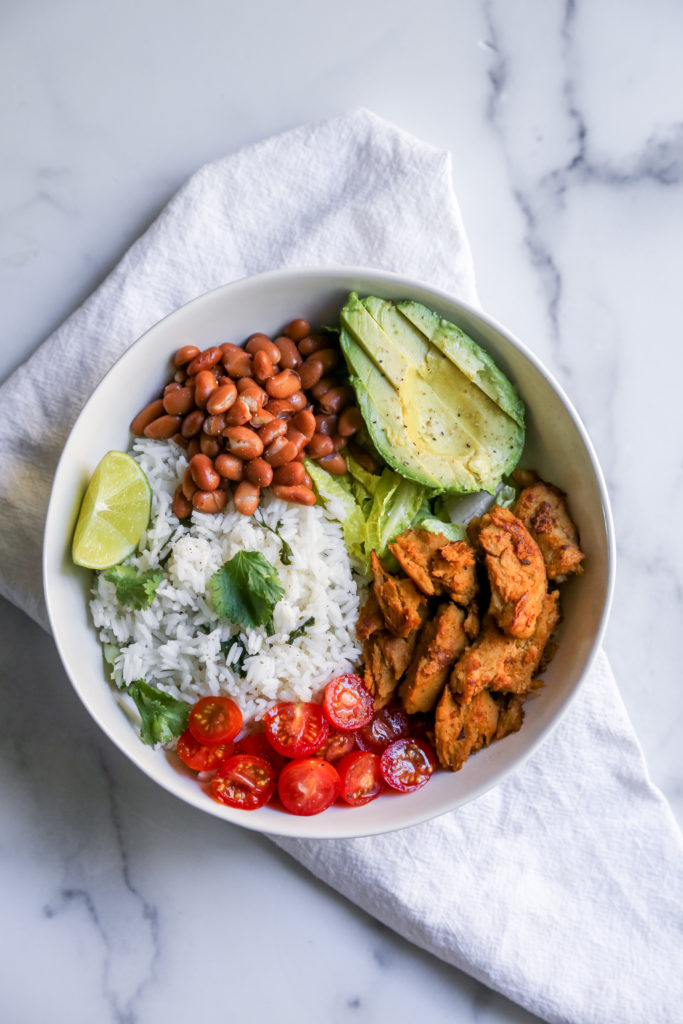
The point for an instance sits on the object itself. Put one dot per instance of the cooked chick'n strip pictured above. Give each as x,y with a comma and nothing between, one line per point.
441,641
437,565
497,661
462,729
386,658
543,510
403,606
515,569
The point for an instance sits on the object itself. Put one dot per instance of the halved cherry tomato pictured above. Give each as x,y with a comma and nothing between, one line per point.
244,781
389,723
407,765
215,720
308,786
336,745
347,703
360,777
198,756
257,744
295,728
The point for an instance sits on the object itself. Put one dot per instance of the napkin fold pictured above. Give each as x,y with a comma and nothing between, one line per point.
561,888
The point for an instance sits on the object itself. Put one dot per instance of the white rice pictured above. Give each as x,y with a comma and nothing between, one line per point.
175,644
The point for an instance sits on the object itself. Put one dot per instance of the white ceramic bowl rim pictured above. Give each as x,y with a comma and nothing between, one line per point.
409,810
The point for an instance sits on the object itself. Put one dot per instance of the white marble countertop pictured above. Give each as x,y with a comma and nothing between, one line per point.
566,127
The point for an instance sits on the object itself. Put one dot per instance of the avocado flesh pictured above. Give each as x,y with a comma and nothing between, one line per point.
427,418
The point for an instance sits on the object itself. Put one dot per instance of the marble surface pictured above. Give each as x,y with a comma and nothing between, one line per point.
566,126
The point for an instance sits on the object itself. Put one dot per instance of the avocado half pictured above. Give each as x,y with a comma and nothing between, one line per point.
436,406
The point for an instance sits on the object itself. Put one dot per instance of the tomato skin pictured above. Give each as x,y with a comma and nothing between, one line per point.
360,777
336,746
198,756
258,745
295,728
388,724
407,765
215,720
347,703
244,781
308,786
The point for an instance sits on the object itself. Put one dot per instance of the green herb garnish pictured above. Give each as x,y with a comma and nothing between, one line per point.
237,666
110,653
300,630
286,553
246,590
163,717
133,588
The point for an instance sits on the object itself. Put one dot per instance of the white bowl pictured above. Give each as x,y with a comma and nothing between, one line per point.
557,447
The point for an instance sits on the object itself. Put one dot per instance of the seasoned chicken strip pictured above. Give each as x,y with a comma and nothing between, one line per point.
497,661
437,565
515,569
386,658
403,606
462,729
441,642
370,618
543,510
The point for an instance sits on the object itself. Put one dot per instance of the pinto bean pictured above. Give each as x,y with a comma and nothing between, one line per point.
181,507
188,485
204,475
280,407
214,425
151,412
362,457
180,440
297,329
222,399
290,474
230,467
299,494
310,372
262,343
339,442
283,384
298,401
258,472
253,397
290,357
312,343
210,446
193,447
280,451
319,446
260,419
326,423
298,439
324,385
180,376
238,415
350,421
185,355
210,501
246,497
236,361
205,360
263,366
329,357
268,432
204,386
192,423
173,386
335,464
162,427
305,422
336,399
243,442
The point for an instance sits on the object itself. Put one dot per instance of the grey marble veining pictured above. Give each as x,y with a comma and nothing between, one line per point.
565,121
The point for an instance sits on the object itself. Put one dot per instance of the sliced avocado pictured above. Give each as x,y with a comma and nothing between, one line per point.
436,406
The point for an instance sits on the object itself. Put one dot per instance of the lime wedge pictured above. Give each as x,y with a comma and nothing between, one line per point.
114,513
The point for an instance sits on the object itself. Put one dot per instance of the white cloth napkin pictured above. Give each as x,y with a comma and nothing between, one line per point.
562,887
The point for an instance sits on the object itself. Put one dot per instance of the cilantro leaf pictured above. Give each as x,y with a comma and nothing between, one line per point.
133,588
300,630
286,553
163,717
246,589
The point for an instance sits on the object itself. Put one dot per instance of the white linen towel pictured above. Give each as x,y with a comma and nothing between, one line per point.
561,888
